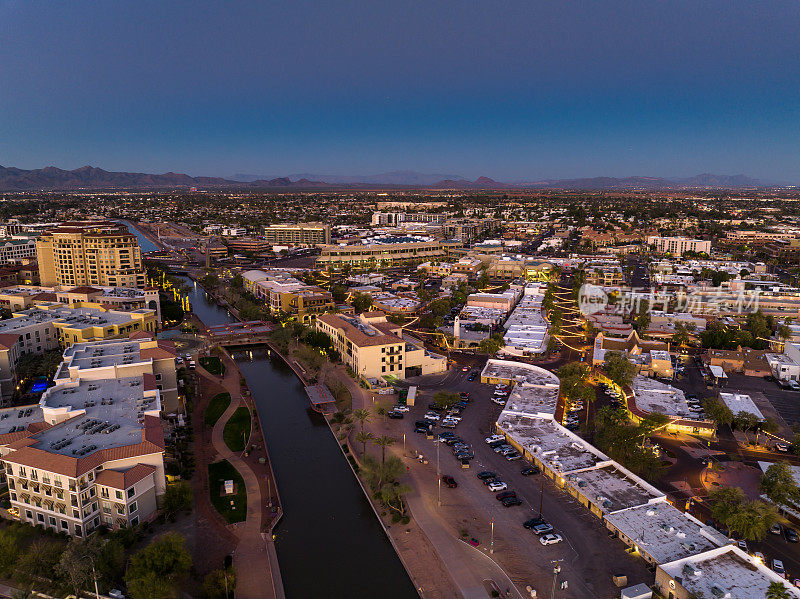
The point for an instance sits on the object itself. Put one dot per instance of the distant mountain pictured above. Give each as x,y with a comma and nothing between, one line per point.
393,178
88,177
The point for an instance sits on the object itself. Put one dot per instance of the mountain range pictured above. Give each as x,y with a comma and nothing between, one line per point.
87,177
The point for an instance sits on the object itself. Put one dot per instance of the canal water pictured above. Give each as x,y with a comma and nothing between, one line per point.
144,243
329,542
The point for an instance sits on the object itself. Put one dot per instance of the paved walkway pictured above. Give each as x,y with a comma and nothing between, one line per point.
470,569
252,555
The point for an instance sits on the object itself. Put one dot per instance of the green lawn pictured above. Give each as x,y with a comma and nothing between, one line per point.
216,407
218,473
213,364
237,429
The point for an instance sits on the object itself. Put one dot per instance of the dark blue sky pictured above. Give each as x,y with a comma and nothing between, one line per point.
512,90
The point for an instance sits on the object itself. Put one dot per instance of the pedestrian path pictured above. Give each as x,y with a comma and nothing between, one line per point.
251,558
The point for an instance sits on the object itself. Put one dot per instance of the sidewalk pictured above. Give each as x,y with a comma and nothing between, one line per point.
251,555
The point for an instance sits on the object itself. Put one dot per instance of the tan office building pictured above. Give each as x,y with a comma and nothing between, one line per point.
297,234
100,253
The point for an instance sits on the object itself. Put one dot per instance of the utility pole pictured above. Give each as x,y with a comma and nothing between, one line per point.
556,569
491,542
438,475
541,498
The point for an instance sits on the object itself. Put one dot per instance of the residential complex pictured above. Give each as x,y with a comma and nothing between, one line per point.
375,348
102,253
677,246
385,252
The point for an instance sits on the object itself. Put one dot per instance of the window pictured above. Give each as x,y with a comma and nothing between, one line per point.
78,531
134,520
133,507
52,521
131,492
40,518
119,495
64,525
29,514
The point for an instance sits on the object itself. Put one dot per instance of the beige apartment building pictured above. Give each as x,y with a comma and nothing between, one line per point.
297,234
375,349
102,253
90,454
386,253
677,246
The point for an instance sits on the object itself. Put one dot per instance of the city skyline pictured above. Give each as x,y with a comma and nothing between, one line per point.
517,93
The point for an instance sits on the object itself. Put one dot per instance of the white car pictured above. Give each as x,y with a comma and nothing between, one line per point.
497,486
550,539
401,408
501,401
494,438
431,416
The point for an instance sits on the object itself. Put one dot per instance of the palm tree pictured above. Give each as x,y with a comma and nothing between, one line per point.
381,411
383,442
364,438
777,590
362,415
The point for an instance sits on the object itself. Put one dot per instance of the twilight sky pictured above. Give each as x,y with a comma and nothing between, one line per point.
512,90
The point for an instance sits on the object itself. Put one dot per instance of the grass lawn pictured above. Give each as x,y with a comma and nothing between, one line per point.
216,407
237,429
213,364
218,473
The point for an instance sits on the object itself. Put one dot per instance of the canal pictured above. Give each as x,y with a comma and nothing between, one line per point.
329,542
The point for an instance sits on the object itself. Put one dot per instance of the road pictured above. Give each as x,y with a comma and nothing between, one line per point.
589,557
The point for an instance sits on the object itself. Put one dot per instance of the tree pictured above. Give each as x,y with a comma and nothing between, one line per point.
210,281
391,495
177,498
237,282
491,345
779,485
745,421
718,412
364,437
753,519
338,293
682,334
652,422
39,559
725,502
777,590
361,302
619,369
214,584
155,571
76,564
446,399
784,332
363,416
383,442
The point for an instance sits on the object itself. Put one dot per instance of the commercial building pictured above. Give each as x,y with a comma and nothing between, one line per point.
125,358
297,234
741,402
526,327
649,396
375,348
90,454
723,572
17,250
386,252
393,219
100,253
677,246
468,229
637,350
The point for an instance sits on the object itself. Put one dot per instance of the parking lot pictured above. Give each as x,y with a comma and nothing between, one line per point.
588,556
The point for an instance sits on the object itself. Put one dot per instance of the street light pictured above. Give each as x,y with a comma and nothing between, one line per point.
438,475
94,576
491,542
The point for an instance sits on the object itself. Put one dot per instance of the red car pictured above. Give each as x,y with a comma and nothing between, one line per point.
449,481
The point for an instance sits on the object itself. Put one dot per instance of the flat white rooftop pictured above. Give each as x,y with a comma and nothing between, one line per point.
739,402
612,488
654,396
664,532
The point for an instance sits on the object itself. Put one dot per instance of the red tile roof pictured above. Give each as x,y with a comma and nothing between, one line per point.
123,479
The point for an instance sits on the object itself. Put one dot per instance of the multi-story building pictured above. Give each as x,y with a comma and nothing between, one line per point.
386,252
467,229
677,246
100,253
375,348
285,294
16,251
393,219
247,244
90,454
48,326
298,234
755,238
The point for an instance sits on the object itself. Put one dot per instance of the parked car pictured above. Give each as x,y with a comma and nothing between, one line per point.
794,385
542,528
528,470
550,539
511,501
498,485
395,414
759,556
472,376
514,455
791,535
465,369
500,401
503,494
775,529
483,475
449,481
742,545
782,447
494,438
431,416
529,524
777,567
402,408
463,395
422,430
